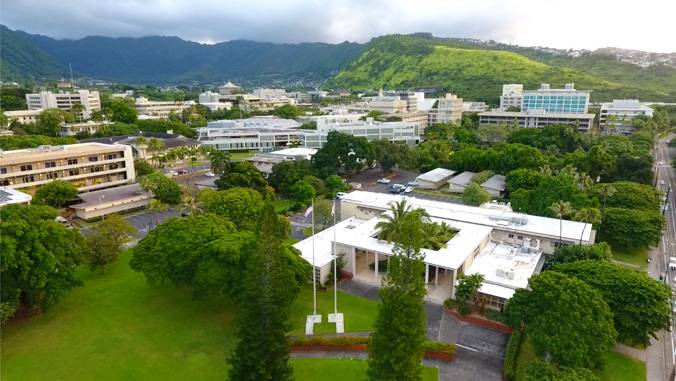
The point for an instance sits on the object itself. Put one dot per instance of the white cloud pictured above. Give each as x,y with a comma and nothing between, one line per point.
570,24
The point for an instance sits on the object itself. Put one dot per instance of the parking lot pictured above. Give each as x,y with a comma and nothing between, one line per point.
142,221
399,176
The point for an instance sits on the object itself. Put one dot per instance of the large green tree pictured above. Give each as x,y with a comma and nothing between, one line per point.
55,193
475,195
335,184
49,121
564,317
391,223
631,227
343,150
286,174
220,161
433,154
303,192
389,154
564,254
164,188
270,289
105,241
287,112
122,112
396,349
239,205
38,256
244,175
628,194
641,306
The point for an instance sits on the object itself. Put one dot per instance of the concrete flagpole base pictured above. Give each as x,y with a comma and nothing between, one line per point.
340,323
310,323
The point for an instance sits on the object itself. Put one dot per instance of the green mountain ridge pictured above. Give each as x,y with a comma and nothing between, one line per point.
21,60
404,62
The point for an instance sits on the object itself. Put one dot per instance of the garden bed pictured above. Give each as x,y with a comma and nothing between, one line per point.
433,349
480,321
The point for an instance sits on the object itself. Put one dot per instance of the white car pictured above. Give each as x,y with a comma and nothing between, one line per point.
340,195
413,183
672,263
408,190
384,181
209,174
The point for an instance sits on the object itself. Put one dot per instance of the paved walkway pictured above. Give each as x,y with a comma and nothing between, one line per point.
631,351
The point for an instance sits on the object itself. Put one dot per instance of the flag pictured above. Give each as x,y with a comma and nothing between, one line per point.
308,211
333,209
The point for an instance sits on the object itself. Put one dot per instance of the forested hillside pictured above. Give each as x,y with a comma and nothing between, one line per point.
21,60
404,62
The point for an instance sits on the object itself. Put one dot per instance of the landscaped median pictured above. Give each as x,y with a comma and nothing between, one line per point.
433,349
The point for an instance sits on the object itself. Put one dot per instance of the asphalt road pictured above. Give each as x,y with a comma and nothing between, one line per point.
142,221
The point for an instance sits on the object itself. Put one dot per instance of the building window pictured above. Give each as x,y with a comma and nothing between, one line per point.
72,161
520,237
111,156
52,175
93,158
27,167
74,172
50,164
28,179
511,236
3,170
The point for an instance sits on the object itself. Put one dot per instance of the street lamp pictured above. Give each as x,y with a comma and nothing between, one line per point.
100,198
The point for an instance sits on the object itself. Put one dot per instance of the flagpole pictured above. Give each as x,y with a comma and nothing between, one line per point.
314,270
335,262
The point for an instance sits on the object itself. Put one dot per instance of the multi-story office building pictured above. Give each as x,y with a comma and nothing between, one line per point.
537,118
160,108
408,132
512,96
88,166
46,99
448,110
469,107
616,116
23,116
71,129
566,100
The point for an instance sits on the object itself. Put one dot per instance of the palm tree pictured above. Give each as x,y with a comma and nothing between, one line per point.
157,206
155,144
435,236
588,216
141,142
546,169
76,109
584,181
561,209
391,223
191,205
605,190
220,161
569,170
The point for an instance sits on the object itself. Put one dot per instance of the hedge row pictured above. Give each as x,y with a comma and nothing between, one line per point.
512,352
428,346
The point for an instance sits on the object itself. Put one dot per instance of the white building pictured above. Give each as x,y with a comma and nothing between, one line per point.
11,196
512,96
506,247
537,118
108,201
469,107
23,116
229,89
435,178
46,99
458,183
160,108
259,133
566,100
619,114
213,101
408,132
448,110
71,129
495,186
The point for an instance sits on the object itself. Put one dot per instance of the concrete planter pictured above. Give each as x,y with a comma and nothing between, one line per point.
363,347
440,356
480,321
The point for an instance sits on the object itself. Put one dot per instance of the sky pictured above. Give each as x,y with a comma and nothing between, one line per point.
577,24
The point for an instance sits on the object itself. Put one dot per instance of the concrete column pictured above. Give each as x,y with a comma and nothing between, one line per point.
454,274
427,274
537,244
388,263
375,276
436,275
354,262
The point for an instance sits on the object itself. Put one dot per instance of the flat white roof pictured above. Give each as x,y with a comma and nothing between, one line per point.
435,175
13,196
323,242
294,152
462,179
505,267
505,221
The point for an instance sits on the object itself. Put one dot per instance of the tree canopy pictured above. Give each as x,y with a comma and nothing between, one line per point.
122,112
630,195
55,193
164,188
241,206
632,227
354,153
105,241
286,174
49,121
244,175
564,317
641,306
475,195
39,257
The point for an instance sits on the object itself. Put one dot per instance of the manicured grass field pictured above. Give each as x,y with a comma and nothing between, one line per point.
308,230
117,327
291,241
281,205
342,369
635,256
240,155
619,367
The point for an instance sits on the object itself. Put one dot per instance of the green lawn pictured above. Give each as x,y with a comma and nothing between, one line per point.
291,241
117,327
620,367
342,369
437,193
636,256
190,164
308,230
281,205
240,155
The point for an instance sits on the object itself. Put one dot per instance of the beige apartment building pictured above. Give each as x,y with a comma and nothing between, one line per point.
160,108
70,129
23,116
448,110
88,166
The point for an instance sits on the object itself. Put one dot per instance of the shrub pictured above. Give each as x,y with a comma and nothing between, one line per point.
464,309
512,353
436,346
450,303
428,346
495,315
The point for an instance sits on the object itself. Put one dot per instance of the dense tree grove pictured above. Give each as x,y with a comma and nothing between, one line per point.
241,206
105,241
632,227
641,306
343,150
244,175
564,317
55,193
164,188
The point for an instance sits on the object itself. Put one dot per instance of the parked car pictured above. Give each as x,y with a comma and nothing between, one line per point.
209,174
185,214
63,222
340,194
672,263
413,183
183,172
383,181
394,190
408,190
172,172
